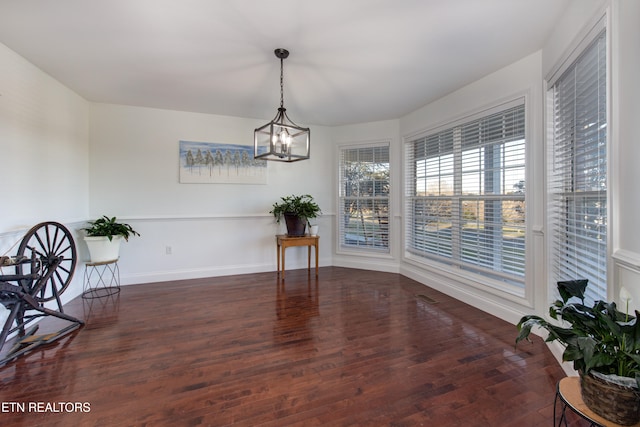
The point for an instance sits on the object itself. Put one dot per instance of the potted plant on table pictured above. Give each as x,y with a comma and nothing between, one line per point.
297,211
604,345
103,238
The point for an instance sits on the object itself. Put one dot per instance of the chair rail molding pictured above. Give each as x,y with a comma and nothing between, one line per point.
627,259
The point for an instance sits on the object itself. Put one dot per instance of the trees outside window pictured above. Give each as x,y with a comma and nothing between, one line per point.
364,197
465,194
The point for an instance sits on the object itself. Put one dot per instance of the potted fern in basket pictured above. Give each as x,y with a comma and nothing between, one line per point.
604,345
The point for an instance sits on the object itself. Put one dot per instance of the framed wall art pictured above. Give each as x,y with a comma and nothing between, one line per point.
220,163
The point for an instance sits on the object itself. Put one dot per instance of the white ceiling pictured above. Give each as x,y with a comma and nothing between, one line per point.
351,61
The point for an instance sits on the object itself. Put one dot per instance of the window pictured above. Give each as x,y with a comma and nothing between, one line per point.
465,194
364,197
577,174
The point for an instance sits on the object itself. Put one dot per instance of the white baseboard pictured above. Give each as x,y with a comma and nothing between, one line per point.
469,295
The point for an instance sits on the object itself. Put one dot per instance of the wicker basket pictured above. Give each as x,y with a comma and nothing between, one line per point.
611,401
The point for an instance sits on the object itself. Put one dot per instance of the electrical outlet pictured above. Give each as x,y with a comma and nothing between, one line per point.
168,250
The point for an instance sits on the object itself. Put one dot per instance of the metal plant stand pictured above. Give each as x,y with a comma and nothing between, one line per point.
101,279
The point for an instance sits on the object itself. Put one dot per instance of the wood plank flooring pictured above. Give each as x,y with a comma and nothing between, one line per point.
350,348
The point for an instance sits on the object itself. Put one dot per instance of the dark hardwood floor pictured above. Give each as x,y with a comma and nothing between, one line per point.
351,348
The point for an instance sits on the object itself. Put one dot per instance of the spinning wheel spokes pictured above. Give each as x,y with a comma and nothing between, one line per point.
54,247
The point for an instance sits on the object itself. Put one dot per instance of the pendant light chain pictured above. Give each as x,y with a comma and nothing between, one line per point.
281,83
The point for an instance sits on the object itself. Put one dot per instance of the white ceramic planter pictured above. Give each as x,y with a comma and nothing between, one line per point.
102,249
313,230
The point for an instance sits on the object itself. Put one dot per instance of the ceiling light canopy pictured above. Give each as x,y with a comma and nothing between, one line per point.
281,139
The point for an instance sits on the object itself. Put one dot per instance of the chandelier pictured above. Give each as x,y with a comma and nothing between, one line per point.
281,139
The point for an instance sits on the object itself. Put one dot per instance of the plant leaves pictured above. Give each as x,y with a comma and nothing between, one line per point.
599,337
572,288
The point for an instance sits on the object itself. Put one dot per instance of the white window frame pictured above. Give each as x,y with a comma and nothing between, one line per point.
485,278
384,226
598,287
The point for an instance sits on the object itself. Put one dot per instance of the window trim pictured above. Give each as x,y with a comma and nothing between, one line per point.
583,40
364,251
523,295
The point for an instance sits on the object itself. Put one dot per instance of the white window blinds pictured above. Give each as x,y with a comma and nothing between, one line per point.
364,197
465,201
577,178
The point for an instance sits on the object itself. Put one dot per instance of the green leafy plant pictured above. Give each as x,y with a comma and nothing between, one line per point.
302,206
599,338
109,227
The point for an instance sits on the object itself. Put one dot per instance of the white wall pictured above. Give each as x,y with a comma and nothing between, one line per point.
624,171
44,153
213,229
579,14
43,162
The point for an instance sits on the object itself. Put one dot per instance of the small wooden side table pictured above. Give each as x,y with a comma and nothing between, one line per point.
568,392
284,241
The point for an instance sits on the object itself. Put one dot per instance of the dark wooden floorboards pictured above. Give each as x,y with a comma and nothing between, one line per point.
350,348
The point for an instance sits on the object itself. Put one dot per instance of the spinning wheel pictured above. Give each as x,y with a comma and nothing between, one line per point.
44,267
55,248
